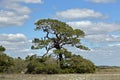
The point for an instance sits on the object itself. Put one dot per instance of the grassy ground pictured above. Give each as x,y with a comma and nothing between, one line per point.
101,74
108,71
60,77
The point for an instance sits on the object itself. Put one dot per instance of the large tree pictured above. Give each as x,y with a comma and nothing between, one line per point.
57,34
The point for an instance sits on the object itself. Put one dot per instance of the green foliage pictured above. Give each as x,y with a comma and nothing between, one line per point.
57,34
42,65
82,47
49,65
81,65
67,71
2,49
64,51
34,67
46,65
19,66
5,62
11,65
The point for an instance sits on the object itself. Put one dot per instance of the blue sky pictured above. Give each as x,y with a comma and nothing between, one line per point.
99,19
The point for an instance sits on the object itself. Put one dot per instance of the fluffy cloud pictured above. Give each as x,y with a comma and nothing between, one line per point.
101,1
14,13
106,55
16,44
13,37
71,14
105,46
95,27
98,34
29,1
103,38
8,18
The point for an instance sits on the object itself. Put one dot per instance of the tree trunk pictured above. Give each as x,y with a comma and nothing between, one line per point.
57,46
61,60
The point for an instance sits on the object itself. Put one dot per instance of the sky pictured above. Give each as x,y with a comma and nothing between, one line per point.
99,19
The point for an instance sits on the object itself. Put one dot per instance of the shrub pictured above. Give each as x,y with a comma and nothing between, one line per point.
19,66
49,66
81,65
5,63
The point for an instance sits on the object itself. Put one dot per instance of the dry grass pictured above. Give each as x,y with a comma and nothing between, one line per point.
60,77
101,74
108,71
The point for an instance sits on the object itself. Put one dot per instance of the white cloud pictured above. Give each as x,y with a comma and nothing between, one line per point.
101,1
106,55
98,33
105,46
103,38
29,1
17,45
95,27
72,14
8,18
14,13
13,37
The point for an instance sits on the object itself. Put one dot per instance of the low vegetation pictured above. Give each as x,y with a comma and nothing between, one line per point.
34,64
48,65
108,69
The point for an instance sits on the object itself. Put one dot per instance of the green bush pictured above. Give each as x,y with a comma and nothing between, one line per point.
5,63
19,66
49,66
31,66
81,65
2,49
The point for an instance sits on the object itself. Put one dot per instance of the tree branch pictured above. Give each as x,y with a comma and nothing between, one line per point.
48,50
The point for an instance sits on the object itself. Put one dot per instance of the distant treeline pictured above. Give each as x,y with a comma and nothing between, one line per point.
107,67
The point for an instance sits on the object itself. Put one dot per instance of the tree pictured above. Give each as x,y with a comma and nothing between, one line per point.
2,49
57,34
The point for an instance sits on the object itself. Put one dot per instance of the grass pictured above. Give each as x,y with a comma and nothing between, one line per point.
60,77
101,74
111,70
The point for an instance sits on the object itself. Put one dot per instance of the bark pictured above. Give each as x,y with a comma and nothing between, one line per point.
61,60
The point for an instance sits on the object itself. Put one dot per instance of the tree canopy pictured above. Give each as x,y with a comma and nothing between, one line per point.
2,48
57,35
